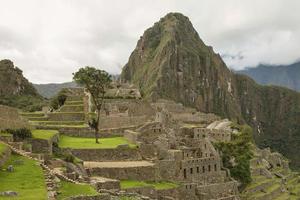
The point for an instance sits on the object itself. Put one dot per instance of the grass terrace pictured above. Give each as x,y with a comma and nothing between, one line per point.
44,134
89,143
125,184
2,148
59,122
67,190
27,180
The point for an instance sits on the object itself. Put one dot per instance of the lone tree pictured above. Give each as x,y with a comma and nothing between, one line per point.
97,82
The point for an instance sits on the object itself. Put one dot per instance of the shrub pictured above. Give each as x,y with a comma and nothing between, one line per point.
69,158
58,100
238,148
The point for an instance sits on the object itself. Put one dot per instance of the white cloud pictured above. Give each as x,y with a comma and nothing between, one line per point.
50,39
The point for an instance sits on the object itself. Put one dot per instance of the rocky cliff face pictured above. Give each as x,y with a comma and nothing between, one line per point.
171,61
15,89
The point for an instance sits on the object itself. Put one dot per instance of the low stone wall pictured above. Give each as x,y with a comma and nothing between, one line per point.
148,191
107,154
6,138
75,116
92,197
9,118
101,183
5,156
151,192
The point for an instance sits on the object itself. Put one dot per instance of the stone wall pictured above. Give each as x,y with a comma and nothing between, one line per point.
139,173
60,116
168,169
107,154
9,118
215,191
42,145
195,118
4,156
215,134
121,121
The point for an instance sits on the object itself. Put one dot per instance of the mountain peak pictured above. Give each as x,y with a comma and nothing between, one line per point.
171,62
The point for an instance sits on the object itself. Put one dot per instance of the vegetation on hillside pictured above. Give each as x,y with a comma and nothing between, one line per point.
237,153
15,90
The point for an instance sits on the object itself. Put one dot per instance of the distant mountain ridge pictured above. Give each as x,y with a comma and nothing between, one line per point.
49,90
281,75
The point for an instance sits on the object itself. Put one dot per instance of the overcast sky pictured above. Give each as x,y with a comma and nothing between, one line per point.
50,39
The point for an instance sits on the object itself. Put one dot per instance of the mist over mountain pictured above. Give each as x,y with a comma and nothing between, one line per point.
281,75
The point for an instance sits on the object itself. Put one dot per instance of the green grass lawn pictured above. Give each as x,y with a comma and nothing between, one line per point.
2,148
89,143
67,189
43,134
157,185
27,180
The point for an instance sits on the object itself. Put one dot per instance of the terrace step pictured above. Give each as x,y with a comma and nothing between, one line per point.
73,102
72,108
269,193
44,118
283,196
58,127
74,98
32,114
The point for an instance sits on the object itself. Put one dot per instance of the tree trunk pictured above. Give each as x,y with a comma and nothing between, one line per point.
97,127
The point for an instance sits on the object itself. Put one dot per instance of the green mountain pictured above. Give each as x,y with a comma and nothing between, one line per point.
171,61
51,89
282,75
16,90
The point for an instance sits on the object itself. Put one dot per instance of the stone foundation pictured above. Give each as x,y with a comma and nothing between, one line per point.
10,119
